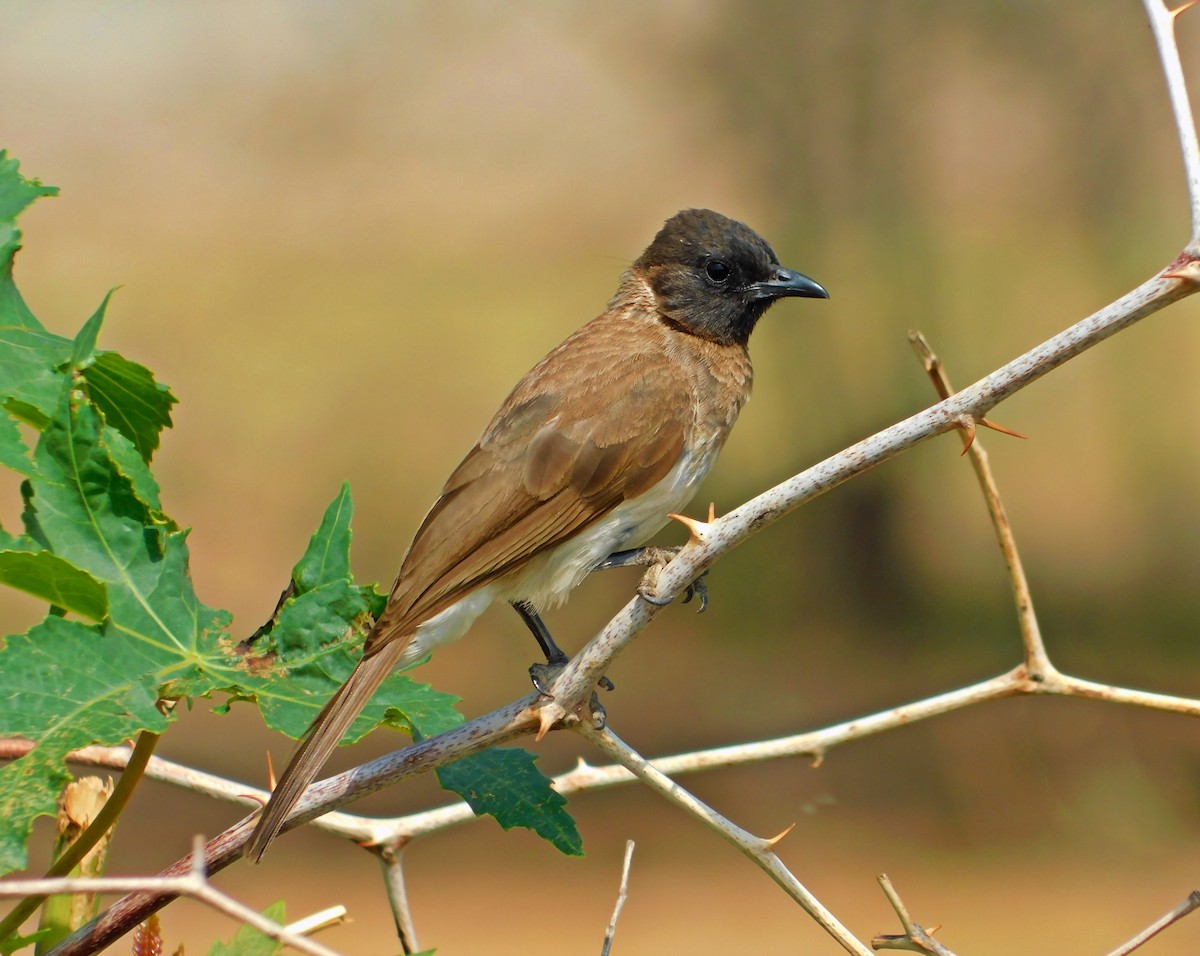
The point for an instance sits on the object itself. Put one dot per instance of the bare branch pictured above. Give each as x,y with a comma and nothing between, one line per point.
194,883
577,679
756,848
322,919
1162,23
915,938
1036,659
622,896
391,860
1189,905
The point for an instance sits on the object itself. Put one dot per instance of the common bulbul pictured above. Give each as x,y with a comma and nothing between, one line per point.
590,453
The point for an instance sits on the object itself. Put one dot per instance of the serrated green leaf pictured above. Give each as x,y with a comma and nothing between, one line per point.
250,942
10,542
326,560
316,640
505,784
83,348
131,400
17,192
129,462
64,684
316,637
14,454
55,581
28,353
29,384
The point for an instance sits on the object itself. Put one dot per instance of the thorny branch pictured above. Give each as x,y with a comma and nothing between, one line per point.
713,539
194,883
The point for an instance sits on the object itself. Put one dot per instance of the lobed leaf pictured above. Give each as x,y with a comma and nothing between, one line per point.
65,684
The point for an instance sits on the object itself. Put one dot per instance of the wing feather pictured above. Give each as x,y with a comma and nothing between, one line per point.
549,465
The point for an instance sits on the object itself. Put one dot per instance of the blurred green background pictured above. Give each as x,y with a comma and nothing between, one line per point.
344,230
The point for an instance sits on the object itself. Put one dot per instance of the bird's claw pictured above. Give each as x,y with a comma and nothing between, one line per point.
599,714
648,588
543,675
698,588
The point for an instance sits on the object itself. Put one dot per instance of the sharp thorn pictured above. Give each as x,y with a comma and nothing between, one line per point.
968,427
1000,428
770,844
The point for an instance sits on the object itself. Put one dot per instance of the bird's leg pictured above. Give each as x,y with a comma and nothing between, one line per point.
654,559
541,633
543,674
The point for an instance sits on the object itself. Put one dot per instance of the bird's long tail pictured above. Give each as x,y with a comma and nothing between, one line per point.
319,741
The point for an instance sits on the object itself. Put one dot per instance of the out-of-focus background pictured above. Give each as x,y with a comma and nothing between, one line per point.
343,231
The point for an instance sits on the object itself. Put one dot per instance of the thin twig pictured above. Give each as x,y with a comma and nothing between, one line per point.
915,938
194,884
1036,659
391,860
95,831
315,922
1162,24
1189,905
622,896
758,849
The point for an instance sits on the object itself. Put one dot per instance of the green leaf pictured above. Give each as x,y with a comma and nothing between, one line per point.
14,454
83,349
14,944
131,400
326,561
17,192
65,684
504,783
55,581
29,357
316,638
250,942
130,463
316,635
28,353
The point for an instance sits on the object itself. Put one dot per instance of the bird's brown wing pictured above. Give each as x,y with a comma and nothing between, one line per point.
555,459
594,423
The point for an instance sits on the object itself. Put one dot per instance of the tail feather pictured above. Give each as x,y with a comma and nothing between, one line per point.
321,738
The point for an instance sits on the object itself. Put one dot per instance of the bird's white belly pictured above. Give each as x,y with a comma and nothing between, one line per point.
548,578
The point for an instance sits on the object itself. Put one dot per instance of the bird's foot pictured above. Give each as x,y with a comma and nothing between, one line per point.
654,560
543,675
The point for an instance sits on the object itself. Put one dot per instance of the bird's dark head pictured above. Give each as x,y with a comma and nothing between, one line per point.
715,277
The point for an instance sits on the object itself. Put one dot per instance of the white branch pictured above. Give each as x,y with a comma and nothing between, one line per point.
193,884
758,849
622,896
1162,23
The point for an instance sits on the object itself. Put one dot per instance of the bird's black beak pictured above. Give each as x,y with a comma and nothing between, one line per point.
788,283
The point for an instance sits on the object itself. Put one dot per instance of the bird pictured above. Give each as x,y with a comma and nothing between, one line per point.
589,454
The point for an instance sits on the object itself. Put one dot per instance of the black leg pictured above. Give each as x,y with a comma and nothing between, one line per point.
541,674
541,633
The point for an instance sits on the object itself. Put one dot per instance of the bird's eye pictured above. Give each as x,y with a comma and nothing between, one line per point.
717,269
